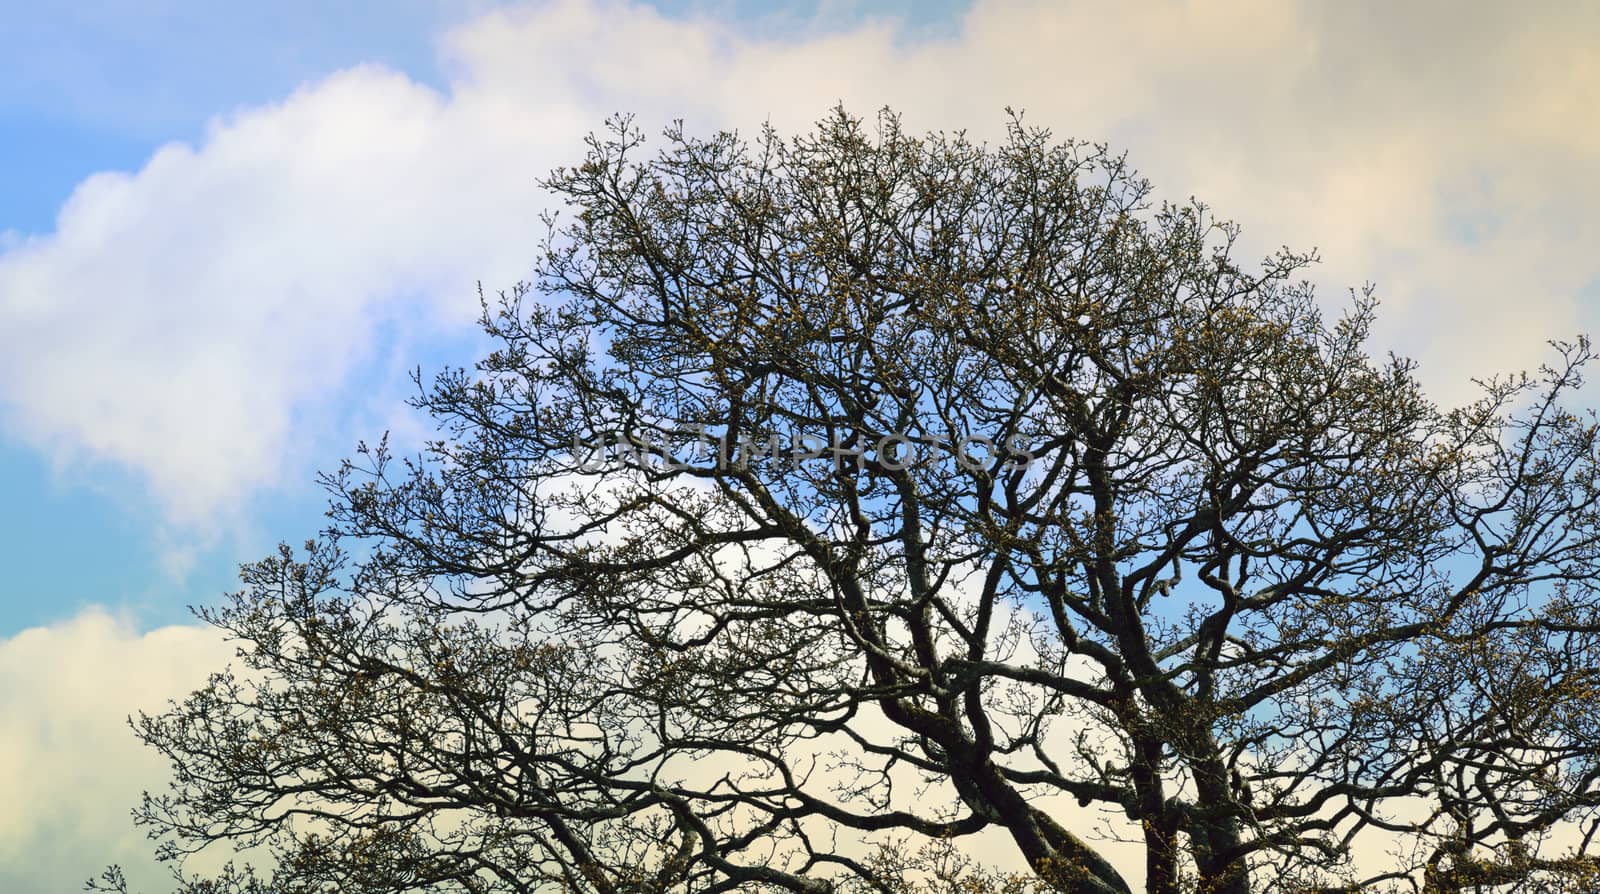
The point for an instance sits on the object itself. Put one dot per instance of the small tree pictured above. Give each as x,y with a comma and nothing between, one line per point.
831,500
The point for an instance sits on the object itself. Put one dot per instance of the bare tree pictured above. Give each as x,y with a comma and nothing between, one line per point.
831,500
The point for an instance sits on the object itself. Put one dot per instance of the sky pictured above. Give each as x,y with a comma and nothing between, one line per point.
228,231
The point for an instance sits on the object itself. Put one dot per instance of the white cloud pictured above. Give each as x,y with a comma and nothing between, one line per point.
70,768
184,319
195,320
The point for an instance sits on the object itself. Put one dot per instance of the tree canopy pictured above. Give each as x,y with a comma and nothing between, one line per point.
833,504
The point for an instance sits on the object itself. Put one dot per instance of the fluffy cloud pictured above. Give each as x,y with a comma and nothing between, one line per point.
189,320
70,768
192,321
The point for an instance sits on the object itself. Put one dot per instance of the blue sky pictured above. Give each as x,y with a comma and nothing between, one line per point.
100,87
228,230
